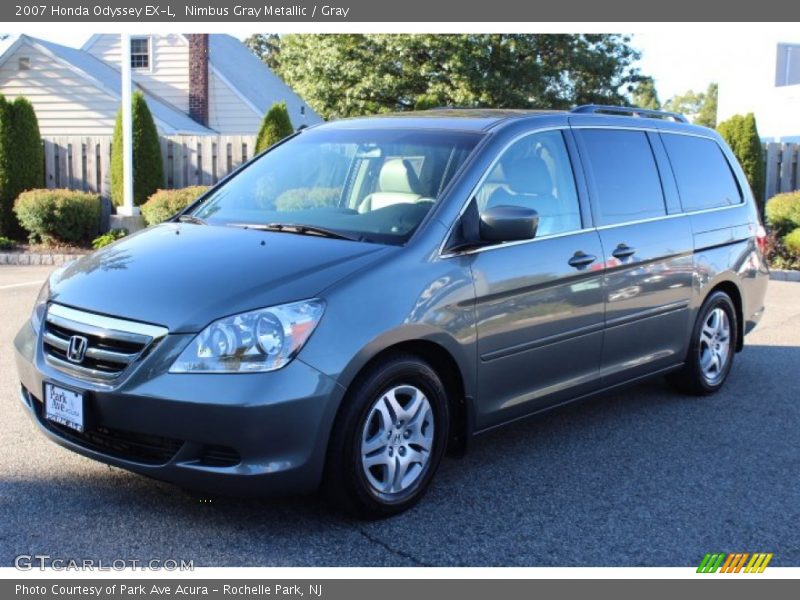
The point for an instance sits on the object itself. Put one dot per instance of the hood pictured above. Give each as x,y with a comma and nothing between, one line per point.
183,276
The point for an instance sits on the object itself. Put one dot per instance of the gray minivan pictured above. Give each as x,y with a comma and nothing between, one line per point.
370,293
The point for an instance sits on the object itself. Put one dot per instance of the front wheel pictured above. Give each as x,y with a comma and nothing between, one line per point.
388,438
712,348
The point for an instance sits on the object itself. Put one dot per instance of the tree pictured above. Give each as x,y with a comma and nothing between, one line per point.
741,134
645,95
6,199
707,114
357,74
148,170
699,107
265,46
275,126
21,159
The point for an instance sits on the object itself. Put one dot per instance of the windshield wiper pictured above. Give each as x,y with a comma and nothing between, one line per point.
304,230
191,219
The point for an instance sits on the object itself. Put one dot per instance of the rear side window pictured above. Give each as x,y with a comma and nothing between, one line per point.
702,172
625,178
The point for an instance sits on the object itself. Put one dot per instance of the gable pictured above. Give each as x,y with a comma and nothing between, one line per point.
254,82
168,74
63,101
228,113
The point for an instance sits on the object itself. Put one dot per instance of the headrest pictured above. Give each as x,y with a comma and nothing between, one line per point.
397,176
528,175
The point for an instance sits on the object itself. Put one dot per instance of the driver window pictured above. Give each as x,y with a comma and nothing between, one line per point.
536,173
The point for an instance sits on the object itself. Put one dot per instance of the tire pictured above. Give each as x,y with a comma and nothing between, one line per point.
709,345
375,468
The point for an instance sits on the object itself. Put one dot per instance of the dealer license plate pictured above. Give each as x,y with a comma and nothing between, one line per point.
63,406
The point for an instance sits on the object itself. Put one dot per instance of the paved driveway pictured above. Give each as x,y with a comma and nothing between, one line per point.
638,477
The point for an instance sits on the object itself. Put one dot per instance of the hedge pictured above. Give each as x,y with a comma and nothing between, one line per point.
53,216
165,203
148,170
275,126
783,212
21,159
792,242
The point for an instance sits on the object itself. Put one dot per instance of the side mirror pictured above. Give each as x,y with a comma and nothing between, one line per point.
508,224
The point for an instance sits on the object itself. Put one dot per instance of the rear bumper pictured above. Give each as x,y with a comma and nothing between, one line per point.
239,434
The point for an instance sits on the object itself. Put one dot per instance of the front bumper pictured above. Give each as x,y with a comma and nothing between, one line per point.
239,434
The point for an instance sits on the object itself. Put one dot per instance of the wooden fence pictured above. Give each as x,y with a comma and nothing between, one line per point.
83,163
782,168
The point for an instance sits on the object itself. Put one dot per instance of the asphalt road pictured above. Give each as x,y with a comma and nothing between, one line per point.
641,477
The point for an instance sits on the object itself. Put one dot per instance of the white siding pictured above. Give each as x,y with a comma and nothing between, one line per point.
65,103
227,112
168,76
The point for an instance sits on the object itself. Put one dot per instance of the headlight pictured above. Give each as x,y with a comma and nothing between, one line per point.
40,306
252,342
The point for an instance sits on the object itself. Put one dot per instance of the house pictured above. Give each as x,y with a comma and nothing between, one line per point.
766,82
195,84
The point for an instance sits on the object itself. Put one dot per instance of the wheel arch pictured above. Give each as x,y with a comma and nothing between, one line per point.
443,360
731,289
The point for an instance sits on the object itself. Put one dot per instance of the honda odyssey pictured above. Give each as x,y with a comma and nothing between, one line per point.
368,294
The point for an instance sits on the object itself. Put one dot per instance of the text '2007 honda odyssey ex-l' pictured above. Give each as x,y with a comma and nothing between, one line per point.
372,292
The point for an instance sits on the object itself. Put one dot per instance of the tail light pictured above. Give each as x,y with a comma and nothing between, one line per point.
761,239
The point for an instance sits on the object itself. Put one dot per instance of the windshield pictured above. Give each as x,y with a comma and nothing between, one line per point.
372,185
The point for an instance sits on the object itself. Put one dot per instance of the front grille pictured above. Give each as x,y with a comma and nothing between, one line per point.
111,344
127,445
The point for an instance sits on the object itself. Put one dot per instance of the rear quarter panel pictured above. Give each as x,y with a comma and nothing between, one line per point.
725,250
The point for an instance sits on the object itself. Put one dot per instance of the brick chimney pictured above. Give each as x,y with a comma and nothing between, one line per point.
198,77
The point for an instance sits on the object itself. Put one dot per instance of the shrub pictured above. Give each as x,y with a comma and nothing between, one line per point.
6,244
108,238
275,126
741,134
303,198
148,170
21,158
52,216
792,242
783,212
165,203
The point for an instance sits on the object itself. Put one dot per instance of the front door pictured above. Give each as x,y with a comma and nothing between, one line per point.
539,303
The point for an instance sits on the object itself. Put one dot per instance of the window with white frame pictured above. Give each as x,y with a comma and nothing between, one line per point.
140,53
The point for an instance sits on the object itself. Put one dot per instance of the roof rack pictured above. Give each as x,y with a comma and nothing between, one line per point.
630,111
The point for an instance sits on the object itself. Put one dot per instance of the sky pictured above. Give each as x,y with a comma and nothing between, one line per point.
679,56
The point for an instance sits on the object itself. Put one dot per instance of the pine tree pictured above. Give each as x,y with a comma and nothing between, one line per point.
21,159
148,169
741,134
275,126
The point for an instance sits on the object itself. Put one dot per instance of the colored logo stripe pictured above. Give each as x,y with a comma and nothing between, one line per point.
758,563
710,563
734,562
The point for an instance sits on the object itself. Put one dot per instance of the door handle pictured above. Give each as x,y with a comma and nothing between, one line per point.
580,260
623,251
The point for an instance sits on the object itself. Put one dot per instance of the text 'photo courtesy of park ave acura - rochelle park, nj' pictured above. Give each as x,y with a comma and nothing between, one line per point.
384,297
